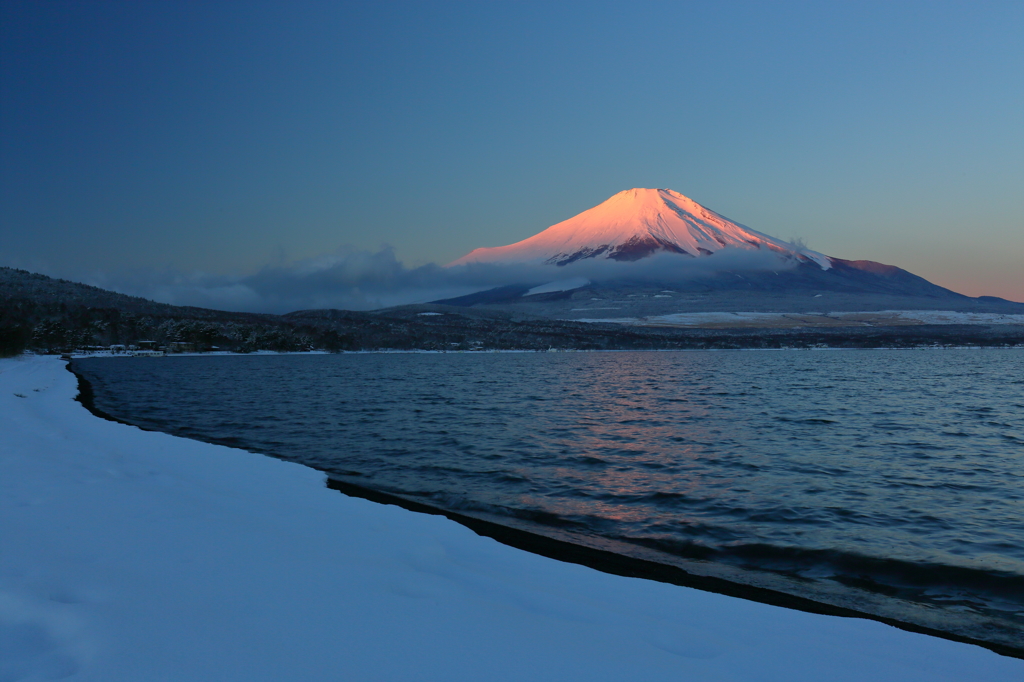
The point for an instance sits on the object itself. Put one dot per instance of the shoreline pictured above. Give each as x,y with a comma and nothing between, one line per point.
599,559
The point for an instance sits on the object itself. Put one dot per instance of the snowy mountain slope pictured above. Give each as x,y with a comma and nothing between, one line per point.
634,224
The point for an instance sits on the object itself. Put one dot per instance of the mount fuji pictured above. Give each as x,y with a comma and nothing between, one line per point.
655,251
635,224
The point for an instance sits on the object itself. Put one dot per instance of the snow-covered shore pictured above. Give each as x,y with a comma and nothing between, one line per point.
133,555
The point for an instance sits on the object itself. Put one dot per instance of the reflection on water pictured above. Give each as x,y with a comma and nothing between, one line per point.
857,476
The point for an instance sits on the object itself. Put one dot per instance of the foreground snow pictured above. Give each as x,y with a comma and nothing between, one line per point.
131,555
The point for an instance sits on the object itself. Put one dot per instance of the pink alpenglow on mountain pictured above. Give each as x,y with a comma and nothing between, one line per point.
635,224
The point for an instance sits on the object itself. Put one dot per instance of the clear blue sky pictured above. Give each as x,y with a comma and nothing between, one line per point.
222,137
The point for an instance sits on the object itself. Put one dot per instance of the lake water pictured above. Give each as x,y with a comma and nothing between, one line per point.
891,482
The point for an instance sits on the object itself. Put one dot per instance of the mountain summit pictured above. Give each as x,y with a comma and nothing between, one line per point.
637,223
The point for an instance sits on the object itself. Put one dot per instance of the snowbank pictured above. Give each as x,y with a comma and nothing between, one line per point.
132,555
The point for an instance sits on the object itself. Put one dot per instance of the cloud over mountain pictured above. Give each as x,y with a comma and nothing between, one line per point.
363,280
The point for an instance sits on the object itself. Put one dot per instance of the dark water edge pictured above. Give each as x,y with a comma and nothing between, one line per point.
669,565
615,563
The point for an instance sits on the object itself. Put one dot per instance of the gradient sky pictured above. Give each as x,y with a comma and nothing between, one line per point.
220,138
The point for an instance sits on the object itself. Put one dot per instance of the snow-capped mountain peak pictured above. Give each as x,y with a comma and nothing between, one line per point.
634,224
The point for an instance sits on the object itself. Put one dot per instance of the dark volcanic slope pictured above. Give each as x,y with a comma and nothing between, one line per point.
847,286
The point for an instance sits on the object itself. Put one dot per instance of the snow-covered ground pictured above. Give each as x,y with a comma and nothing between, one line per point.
133,555
757,319
953,317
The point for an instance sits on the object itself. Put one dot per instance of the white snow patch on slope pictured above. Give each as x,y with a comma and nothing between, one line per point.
953,317
685,319
876,317
133,555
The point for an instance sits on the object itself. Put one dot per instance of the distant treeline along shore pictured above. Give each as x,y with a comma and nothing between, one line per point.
46,315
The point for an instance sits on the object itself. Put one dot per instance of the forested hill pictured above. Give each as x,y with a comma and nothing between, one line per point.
29,287
46,314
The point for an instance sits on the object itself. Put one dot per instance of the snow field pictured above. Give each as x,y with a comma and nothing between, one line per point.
132,555
879,318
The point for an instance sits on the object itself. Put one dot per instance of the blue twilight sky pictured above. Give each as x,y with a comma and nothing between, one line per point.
146,144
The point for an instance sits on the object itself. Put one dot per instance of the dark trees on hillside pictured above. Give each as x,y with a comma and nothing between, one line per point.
13,339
